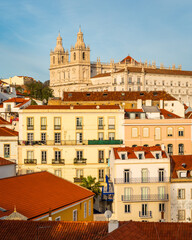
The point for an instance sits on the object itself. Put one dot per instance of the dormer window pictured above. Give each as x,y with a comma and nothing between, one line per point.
140,155
183,174
123,156
157,155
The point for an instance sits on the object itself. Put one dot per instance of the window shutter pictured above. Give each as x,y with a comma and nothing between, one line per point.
145,132
157,133
134,132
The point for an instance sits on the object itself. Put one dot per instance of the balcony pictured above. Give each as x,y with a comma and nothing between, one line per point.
147,214
6,155
78,127
44,161
101,160
78,180
43,127
101,179
111,126
104,142
100,126
30,161
7,109
57,127
58,161
80,161
30,127
141,180
145,198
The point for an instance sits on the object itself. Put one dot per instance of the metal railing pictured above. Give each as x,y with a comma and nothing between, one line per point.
79,126
111,126
145,198
101,179
43,127
78,180
57,127
141,180
147,214
58,161
30,127
100,126
80,161
7,109
101,160
30,161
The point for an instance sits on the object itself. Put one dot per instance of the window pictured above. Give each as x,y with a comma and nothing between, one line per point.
58,218
83,55
29,137
161,175
181,132
79,173
85,209
181,194
140,155
100,135
57,123
79,123
30,125
123,156
126,175
79,155
100,125
181,149
157,155
74,56
79,137
101,156
111,136
127,194
111,123
130,80
43,123
57,155
115,81
122,80
144,210
89,207
30,155
43,137
127,208
43,156
144,193
58,173
161,192
145,132
134,132
179,84
7,151
75,215
183,174
138,80
144,175
57,137
53,59
161,207
101,175
157,133
169,132
181,215
170,149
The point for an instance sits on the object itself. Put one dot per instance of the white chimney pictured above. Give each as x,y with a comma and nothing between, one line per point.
112,225
139,103
161,104
162,147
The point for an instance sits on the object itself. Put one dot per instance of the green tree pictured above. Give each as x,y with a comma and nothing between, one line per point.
91,184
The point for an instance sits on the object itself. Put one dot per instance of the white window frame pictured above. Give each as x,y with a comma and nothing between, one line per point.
85,209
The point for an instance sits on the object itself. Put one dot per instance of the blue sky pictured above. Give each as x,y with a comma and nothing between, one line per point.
150,30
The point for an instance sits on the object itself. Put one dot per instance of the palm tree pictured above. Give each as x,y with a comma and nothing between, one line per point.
91,184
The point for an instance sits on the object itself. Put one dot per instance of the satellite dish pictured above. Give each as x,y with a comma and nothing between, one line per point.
108,214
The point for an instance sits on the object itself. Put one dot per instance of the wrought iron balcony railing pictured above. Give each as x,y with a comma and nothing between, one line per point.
101,160
141,180
100,126
112,126
57,127
58,161
145,198
147,214
80,161
30,161
79,126
30,127
43,127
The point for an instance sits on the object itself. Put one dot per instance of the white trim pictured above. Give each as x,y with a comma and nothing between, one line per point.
60,210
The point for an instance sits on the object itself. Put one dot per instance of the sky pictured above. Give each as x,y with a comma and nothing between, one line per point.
149,30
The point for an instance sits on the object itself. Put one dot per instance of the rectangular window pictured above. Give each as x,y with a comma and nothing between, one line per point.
85,209
75,215
89,207
161,193
30,137
57,137
30,155
43,156
145,132
79,155
134,132
100,136
130,80
43,138
101,156
161,207
111,123
58,218
100,125
181,215
144,210
7,151
144,175
181,193
30,124
123,156
181,132
57,155
58,173
157,133
170,132
127,208
157,155
140,155
57,123
144,193
79,173
111,136
127,194
79,137
126,175
79,122
161,175
43,123
138,80
101,175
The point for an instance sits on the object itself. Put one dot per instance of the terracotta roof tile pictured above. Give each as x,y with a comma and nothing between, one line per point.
17,100
128,59
134,110
176,164
4,162
4,122
47,191
7,132
73,107
168,115
102,75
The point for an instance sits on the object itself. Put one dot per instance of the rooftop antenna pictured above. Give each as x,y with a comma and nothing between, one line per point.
108,214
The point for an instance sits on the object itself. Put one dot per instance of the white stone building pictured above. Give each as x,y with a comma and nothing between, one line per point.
7,168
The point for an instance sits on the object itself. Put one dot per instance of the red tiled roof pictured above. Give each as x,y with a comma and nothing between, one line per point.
7,132
185,106
73,107
116,96
128,59
4,122
168,115
17,100
188,115
102,75
134,110
176,164
35,194
4,162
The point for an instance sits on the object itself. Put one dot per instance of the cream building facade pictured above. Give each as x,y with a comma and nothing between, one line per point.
70,141
141,177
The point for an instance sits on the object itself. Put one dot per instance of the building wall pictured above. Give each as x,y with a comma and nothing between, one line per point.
163,124
12,142
8,171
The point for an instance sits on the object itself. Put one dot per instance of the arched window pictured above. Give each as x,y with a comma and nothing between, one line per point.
170,149
74,56
53,59
146,145
181,149
62,59
83,56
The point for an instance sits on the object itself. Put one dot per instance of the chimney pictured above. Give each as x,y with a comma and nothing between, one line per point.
162,147
112,225
161,104
50,218
139,103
